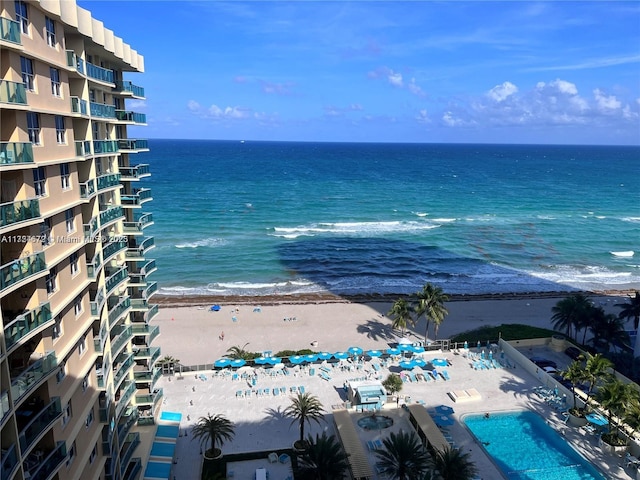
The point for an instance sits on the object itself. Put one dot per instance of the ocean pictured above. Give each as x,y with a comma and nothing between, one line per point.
262,218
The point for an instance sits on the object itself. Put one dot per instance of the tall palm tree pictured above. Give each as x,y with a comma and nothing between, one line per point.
571,312
430,304
596,370
607,329
575,374
615,397
453,464
323,459
215,429
403,457
631,309
304,408
238,352
400,313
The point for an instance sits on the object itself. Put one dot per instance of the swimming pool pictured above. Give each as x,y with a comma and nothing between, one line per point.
525,447
168,431
158,470
171,416
161,449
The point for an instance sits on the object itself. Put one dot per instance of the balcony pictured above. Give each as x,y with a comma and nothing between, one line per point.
40,424
21,327
99,73
148,353
131,443
75,61
109,180
97,303
12,274
121,370
79,106
119,310
16,212
102,110
93,268
121,339
135,172
136,227
150,290
100,341
148,377
128,420
30,378
110,215
138,252
13,93
10,32
15,153
92,228
131,117
105,146
123,401
149,399
139,305
133,469
139,196
112,248
132,145
88,189
151,331
47,468
128,87
9,461
83,148
153,311
115,278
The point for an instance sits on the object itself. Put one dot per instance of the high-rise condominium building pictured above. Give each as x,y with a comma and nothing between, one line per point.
77,377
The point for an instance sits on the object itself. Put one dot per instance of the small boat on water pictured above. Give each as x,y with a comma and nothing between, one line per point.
626,253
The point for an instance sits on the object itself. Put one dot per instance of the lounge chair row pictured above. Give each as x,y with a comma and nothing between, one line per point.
266,392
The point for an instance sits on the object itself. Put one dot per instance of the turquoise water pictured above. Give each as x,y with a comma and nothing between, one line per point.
170,417
161,449
158,470
269,217
525,448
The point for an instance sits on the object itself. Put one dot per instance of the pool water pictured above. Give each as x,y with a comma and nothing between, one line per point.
377,422
161,449
158,470
168,431
171,416
525,448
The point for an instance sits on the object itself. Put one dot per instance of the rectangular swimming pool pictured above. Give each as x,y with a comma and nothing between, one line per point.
525,448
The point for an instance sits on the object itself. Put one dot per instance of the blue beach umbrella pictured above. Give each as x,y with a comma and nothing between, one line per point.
215,308
419,362
274,360
238,362
407,364
296,359
222,362
393,351
374,353
341,355
444,410
312,357
325,355
261,360
439,362
443,421
416,349
405,348
597,419
355,350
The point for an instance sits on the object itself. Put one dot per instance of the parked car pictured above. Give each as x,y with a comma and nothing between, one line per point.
573,353
544,362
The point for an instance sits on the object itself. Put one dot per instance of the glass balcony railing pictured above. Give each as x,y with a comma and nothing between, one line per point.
109,180
127,392
100,73
131,443
133,469
150,290
92,228
135,172
112,248
78,105
117,311
14,93
141,249
128,420
139,304
129,116
122,369
135,228
147,353
153,311
119,341
83,148
116,278
149,399
75,61
26,323
133,144
41,422
9,461
105,146
20,211
13,153
126,86
88,188
10,31
18,270
93,268
97,303
50,464
101,110
30,378
110,214
139,196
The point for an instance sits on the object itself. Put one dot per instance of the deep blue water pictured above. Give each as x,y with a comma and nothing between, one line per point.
270,217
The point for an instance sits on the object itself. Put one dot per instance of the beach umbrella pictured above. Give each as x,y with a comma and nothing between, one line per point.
261,360
238,362
341,355
355,350
439,362
215,308
374,353
296,359
312,357
443,421
444,410
325,355
417,349
407,364
405,348
274,360
393,351
596,419
418,362
222,362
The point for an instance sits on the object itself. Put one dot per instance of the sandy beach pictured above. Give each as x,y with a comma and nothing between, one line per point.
191,332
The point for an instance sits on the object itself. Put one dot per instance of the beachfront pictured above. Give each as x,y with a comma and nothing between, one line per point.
192,335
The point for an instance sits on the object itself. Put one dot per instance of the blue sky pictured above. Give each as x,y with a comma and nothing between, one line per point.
378,71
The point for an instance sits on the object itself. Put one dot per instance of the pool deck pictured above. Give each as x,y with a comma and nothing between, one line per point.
260,425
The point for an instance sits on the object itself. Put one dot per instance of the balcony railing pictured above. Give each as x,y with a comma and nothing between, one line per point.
40,423
129,116
122,369
101,110
110,214
135,172
118,342
18,270
78,105
116,312
127,393
20,211
109,180
149,399
134,228
13,93
133,469
138,197
88,188
133,144
75,61
126,86
150,290
29,378
112,248
97,303
141,249
10,31
9,461
26,323
115,278
99,73
153,311
83,148
51,463
130,445
94,267
105,146
92,228
13,153
139,304
148,353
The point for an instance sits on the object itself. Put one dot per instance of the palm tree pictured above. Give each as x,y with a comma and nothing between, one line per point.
401,315
575,374
238,352
430,304
453,464
215,429
597,369
403,457
615,397
607,329
571,312
392,384
323,459
304,408
631,309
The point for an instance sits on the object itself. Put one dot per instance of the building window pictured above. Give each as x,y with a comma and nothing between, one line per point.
73,263
28,78
89,420
65,176
57,329
22,16
94,454
82,345
62,372
85,383
60,131
33,125
77,305
54,73
51,280
71,454
50,26
45,232
40,182
69,220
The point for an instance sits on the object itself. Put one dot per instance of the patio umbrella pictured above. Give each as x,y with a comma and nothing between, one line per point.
222,362
215,308
341,355
439,362
407,364
296,359
312,357
443,421
261,360
596,419
374,353
419,362
405,348
355,350
325,355
393,351
274,360
238,362
444,410
416,349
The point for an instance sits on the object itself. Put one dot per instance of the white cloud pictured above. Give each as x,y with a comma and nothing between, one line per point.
423,117
415,89
606,103
193,106
450,121
395,79
499,93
